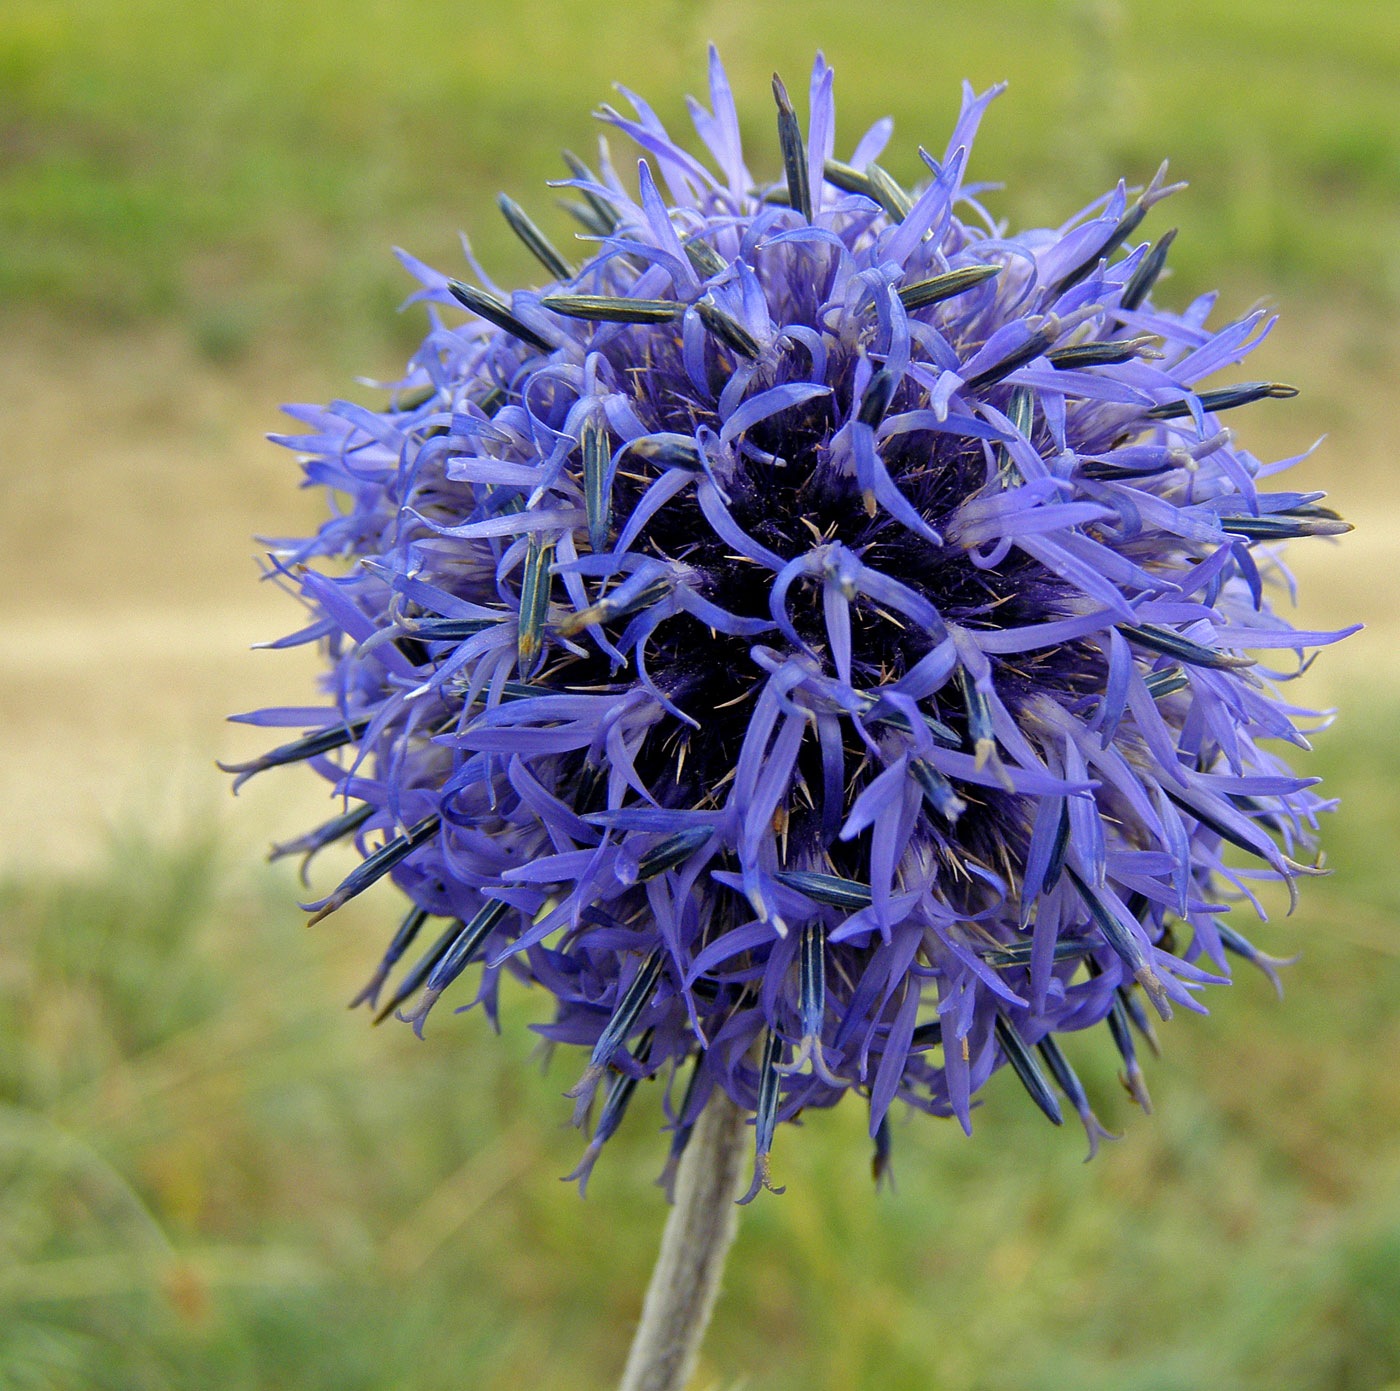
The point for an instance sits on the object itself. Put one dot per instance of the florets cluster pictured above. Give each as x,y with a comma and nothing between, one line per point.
811,638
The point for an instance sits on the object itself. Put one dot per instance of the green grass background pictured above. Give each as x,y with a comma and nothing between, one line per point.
244,165
210,1173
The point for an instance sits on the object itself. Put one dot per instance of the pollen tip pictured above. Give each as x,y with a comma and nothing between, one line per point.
586,1085
1152,984
325,911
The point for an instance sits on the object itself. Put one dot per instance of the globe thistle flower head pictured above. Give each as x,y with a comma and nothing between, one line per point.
817,636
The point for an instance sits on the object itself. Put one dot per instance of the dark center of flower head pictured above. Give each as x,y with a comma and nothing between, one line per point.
787,489
807,638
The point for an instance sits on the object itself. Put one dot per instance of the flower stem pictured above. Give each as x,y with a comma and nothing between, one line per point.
698,1234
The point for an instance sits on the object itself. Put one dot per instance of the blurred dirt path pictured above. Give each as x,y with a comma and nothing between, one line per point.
134,476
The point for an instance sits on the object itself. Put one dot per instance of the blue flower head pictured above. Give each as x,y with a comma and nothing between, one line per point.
820,640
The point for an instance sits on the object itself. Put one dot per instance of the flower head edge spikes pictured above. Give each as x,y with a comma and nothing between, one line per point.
819,637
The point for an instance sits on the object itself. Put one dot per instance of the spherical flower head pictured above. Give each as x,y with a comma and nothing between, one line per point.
821,639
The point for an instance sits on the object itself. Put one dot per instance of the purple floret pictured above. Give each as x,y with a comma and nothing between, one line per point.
821,641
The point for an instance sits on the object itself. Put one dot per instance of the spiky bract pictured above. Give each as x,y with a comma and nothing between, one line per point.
812,639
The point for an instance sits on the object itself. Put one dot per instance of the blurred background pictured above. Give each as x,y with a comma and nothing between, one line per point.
210,1172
